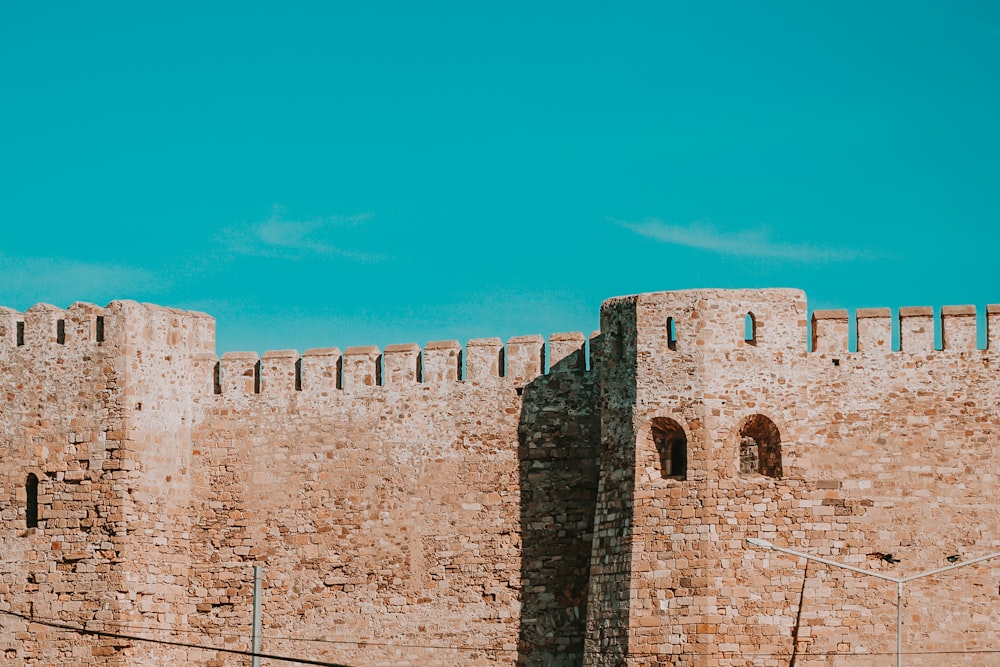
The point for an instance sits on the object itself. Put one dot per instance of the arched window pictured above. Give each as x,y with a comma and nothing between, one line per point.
750,329
671,334
671,448
760,447
31,505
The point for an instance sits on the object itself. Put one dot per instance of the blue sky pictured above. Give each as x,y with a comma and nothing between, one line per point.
323,174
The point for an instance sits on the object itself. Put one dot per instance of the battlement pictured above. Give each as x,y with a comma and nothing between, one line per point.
80,325
774,319
679,322
914,330
399,367
85,326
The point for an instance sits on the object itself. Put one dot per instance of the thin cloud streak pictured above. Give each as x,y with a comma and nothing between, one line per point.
291,239
746,243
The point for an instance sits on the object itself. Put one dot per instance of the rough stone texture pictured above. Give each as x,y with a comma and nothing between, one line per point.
503,504
882,452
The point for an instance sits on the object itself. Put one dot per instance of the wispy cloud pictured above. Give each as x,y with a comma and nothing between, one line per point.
293,239
61,281
703,235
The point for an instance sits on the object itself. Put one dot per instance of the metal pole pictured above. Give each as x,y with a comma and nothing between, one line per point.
899,624
764,544
255,637
931,573
899,581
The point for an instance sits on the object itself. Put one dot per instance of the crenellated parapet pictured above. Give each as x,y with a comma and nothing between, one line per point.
911,331
79,326
157,337
443,365
671,325
696,321
86,326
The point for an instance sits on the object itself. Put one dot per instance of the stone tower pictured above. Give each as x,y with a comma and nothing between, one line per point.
718,424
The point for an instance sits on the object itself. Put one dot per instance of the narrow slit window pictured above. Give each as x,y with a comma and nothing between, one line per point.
256,377
99,329
20,334
217,378
671,334
61,332
750,329
298,374
31,504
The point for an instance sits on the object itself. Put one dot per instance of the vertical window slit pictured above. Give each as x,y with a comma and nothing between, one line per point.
61,332
217,378
31,505
671,334
20,334
298,374
256,377
99,329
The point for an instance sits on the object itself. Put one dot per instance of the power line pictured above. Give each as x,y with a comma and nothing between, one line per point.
356,642
841,654
352,642
458,647
167,642
363,643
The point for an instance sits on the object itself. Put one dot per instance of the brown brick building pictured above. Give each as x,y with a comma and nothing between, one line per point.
569,503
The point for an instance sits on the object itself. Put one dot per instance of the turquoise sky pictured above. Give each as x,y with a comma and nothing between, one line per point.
320,174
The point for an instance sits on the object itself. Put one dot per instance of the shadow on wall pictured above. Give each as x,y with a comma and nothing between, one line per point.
559,453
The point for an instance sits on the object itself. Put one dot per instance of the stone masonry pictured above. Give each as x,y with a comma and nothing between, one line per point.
576,501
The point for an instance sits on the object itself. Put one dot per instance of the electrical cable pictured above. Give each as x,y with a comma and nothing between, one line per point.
283,638
363,643
167,642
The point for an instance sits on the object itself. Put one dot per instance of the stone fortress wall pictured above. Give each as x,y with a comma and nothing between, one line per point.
575,502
